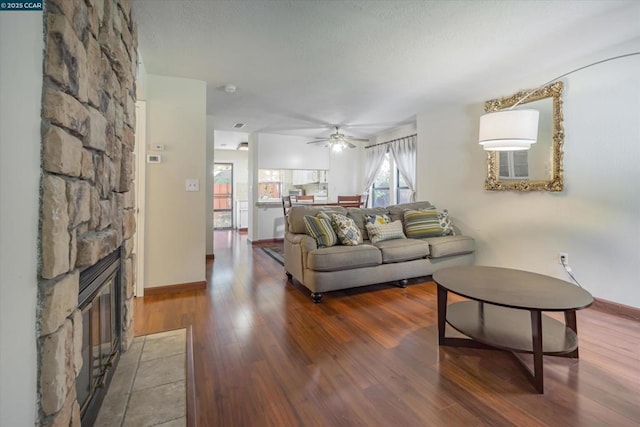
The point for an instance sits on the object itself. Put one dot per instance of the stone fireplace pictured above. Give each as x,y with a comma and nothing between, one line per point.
87,198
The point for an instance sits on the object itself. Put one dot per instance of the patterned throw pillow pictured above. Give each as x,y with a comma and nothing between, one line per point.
346,229
445,223
319,227
377,219
382,232
423,223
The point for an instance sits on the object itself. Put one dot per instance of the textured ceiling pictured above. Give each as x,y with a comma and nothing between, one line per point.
302,66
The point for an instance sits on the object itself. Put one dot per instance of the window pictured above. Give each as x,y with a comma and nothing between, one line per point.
222,195
389,178
403,192
269,184
514,164
381,188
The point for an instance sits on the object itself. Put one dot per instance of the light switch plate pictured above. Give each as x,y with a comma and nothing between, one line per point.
192,184
154,158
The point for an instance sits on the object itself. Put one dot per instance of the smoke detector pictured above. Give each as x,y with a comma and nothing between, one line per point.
230,88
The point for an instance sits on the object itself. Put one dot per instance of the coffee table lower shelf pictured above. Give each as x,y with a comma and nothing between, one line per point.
515,330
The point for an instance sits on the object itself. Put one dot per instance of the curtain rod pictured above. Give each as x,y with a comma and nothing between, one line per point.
389,142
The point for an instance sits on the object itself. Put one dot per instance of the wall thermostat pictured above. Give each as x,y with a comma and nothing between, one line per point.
157,147
154,158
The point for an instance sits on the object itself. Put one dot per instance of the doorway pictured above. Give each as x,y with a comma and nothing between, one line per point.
223,196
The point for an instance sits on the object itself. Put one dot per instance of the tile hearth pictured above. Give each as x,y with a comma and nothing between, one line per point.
148,387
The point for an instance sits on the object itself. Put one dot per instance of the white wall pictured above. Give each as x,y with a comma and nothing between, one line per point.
21,47
345,172
141,79
596,219
175,219
290,152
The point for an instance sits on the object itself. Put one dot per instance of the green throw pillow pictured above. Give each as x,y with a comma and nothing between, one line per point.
346,229
423,223
319,227
382,232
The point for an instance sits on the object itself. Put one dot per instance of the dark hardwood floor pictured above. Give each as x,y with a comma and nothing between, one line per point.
265,355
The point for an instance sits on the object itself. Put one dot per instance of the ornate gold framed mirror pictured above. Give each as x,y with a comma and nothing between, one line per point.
539,168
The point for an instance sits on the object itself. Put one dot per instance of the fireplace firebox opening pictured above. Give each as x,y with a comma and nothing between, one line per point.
100,301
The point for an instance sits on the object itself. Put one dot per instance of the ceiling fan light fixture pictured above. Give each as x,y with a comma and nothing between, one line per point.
337,147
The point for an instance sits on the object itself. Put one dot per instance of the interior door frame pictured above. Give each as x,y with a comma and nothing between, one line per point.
233,196
140,188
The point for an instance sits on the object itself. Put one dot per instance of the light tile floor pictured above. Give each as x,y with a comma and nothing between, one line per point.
148,387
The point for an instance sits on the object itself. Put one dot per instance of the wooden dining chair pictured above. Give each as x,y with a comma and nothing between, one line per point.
286,204
365,201
350,201
306,199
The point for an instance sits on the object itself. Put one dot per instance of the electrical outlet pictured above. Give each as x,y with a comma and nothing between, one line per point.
563,258
192,185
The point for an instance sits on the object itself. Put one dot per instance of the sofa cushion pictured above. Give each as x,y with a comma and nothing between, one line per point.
396,212
296,215
358,216
402,250
319,227
343,257
450,245
346,230
423,223
382,232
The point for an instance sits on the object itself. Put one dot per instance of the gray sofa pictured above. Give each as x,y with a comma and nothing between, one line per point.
339,267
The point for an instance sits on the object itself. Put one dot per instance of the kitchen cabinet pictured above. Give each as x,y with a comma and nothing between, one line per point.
302,177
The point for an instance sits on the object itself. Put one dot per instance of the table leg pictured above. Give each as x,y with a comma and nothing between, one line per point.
570,321
442,314
536,333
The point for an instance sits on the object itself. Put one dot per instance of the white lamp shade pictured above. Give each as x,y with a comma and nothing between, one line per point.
509,130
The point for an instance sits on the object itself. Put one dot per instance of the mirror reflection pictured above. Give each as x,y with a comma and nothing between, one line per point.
535,163
539,168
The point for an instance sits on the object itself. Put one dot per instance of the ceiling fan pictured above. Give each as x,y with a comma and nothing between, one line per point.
337,141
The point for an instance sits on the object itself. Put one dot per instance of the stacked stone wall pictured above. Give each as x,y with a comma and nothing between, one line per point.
87,198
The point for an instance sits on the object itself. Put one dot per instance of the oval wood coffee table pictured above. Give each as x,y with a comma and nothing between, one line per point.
504,312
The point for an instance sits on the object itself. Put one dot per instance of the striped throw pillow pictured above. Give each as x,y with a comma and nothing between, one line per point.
319,227
382,232
423,223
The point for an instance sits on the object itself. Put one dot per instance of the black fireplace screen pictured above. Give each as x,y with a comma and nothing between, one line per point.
101,305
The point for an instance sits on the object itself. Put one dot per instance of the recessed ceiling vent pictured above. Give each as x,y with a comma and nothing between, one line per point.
238,125
243,146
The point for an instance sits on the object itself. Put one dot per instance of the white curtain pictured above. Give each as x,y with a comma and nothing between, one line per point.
374,157
404,153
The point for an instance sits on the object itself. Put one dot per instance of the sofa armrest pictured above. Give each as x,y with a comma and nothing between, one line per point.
306,241
296,248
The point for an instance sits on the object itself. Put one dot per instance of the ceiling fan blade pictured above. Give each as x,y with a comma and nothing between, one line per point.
317,141
351,145
350,138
